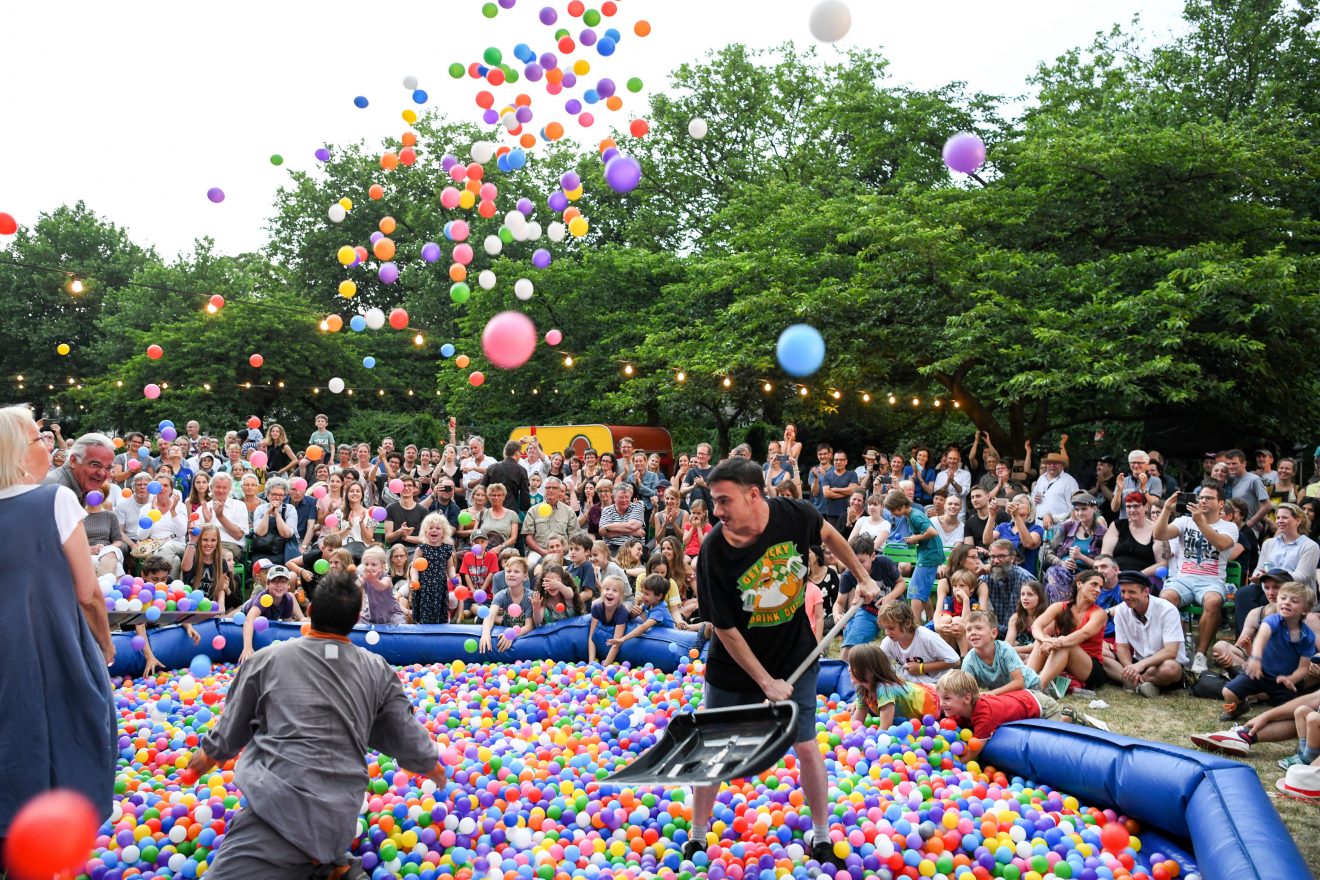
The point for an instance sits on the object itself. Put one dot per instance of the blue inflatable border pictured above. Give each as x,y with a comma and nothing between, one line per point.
1215,803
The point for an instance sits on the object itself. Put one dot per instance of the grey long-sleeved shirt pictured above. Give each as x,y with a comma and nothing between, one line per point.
305,712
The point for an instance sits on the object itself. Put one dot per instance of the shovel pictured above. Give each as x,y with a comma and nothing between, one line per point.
711,746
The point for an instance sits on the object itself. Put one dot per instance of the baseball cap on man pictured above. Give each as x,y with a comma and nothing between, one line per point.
278,571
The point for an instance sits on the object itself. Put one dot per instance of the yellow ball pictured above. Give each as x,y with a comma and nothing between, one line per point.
266,600
578,227
926,868
842,849
410,116
573,194
347,255
346,203
466,199
62,348
347,289
155,515
544,509
581,67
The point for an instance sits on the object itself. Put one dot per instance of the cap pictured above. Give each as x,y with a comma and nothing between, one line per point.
1265,452
1107,459
278,571
1282,575
1053,458
1083,498
1209,455
1134,577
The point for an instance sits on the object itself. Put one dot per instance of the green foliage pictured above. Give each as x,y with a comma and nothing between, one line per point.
371,426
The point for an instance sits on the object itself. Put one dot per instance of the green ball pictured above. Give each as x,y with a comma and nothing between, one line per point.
591,17
492,56
277,159
321,566
510,75
635,84
471,644
560,34
459,293
457,70
505,234
464,518
490,10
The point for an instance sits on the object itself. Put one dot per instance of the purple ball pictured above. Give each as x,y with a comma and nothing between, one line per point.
541,258
430,252
168,434
323,154
964,152
524,114
533,72
549,60
623,173
490,117
388,273
217,195
261,624
610,153
606,87
376,236
569,180
573,106
507,4
525,205
570,80
587,37
558,202
449,160
548,15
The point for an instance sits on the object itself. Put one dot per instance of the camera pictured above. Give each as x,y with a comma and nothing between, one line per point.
1185,499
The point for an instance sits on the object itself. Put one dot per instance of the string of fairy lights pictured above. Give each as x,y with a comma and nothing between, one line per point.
77,283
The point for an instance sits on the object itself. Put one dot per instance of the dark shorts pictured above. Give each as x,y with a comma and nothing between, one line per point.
804,694
1244,686
1097,678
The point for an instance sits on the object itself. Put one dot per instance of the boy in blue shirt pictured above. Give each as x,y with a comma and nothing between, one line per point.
1280,654
655,612
996,667
930,551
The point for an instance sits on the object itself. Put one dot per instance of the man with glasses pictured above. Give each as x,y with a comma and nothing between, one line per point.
442,500
837,487
91,460
1005,580
1139,479
694,481
1200,545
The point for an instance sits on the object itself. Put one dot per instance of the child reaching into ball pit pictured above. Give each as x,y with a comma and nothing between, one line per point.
608,610
478,568
556,597
511,608
303,713
156,570
918,653
652,609
271,602
962,700
994,664
882,693
379,604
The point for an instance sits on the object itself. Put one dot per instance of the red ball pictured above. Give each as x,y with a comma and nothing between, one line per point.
52,834
8,225
256,360
639,127
155,352
254,422
398,319
1114,837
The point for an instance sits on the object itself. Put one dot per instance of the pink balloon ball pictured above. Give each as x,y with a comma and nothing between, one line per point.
489,192
319,492
449,197
299,483
332,522
509,340
152,391
458,172
463,254
458,230
396,485
258,459
515,609
554,337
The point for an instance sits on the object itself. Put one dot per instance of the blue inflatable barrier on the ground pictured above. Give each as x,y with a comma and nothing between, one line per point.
1199,798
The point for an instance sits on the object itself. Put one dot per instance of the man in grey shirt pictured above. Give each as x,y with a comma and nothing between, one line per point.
1246,486
1139,479
304,712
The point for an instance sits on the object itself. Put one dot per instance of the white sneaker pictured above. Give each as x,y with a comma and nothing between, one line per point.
1199,664
1226,742
1148,689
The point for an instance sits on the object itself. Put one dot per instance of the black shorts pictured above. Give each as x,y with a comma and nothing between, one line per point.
1244,686
804,694
1097,678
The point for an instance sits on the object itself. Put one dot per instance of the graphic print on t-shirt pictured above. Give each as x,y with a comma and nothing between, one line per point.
775,587
1199,556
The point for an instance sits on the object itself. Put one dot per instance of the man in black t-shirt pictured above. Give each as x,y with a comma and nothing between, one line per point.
751,585
983,506
695,486
403,518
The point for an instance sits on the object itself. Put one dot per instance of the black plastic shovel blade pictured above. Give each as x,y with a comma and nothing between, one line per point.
714,745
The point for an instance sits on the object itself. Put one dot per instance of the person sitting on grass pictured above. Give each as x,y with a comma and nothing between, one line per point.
302,778
1149,652
917,653
610,611
962,700
1280,654
511,607
930,551
1031,602
1077,644
882,693
1232,656
994,664
959,595
1276,724
884,571
654,611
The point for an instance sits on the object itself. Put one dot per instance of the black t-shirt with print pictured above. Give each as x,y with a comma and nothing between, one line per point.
760,590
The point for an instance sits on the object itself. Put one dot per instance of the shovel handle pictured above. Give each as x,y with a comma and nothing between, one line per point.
820,648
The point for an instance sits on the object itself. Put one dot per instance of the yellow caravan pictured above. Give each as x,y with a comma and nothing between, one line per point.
602,438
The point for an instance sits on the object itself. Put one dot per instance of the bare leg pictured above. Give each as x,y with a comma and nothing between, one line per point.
703,801
1167,673
1211,612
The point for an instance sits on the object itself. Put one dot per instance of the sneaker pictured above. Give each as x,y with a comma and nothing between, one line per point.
1232,711
1291,761
691,847
1225,742
1148,689
820,850
1199,664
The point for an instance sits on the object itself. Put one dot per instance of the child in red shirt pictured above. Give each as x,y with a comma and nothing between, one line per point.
961,699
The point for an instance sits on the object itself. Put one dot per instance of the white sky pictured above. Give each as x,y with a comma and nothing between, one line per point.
139,108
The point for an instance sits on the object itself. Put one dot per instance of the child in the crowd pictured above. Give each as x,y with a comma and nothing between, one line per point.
204,568
657,565
884,571
994,664
814,602
1308,738
303,779
604,566
957,596
156,570
697,528
918,653
341,561
884,694
654,611
272,601
1031,602
534,492
1233,655
431,583
511,607
478,568
1280,654
379,603
304,567
323,438
610,611
577,560
631,557
671,548
961,699
398,567
556,597
555,554
930,551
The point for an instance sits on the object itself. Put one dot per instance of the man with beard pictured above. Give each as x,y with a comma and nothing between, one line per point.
1005,580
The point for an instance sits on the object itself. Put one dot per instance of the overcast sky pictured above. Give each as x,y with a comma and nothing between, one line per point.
138,109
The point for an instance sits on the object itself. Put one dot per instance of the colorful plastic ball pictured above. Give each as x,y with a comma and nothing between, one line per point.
8,225
470,645
369,362
800,350
623,173
51,834
459,292
464,518
830,21
378,513
523,289
447,350
215,194
541,258
94,498
218,643
697,128
508,340
258,459
462,361
276,159
476,378
1162,572
360,102
964,152
151,391
430,252
155,352
1115,837
323,154
395,485
200,667
63,348
357,323
321,566
336,385
634,84
256,360
372,637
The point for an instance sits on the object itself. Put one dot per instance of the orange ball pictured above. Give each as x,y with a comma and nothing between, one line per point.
387,225
571,213
527,141
462,361
420,563
376,192
606,143
334,324
554,131
409,139
383,249
314,453
458,272
389,161
642,28
614,102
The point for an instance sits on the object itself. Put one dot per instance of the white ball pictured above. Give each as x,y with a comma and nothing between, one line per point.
830,21
533,231
178,834
337,213
555,231
522,288
130,855
375,319
121,604
410,82
187,682
482,151
135,605
519,232
117,812
514,218
373,637
493,245
510,120
336,385
203,814
467,825
486,279
697,128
